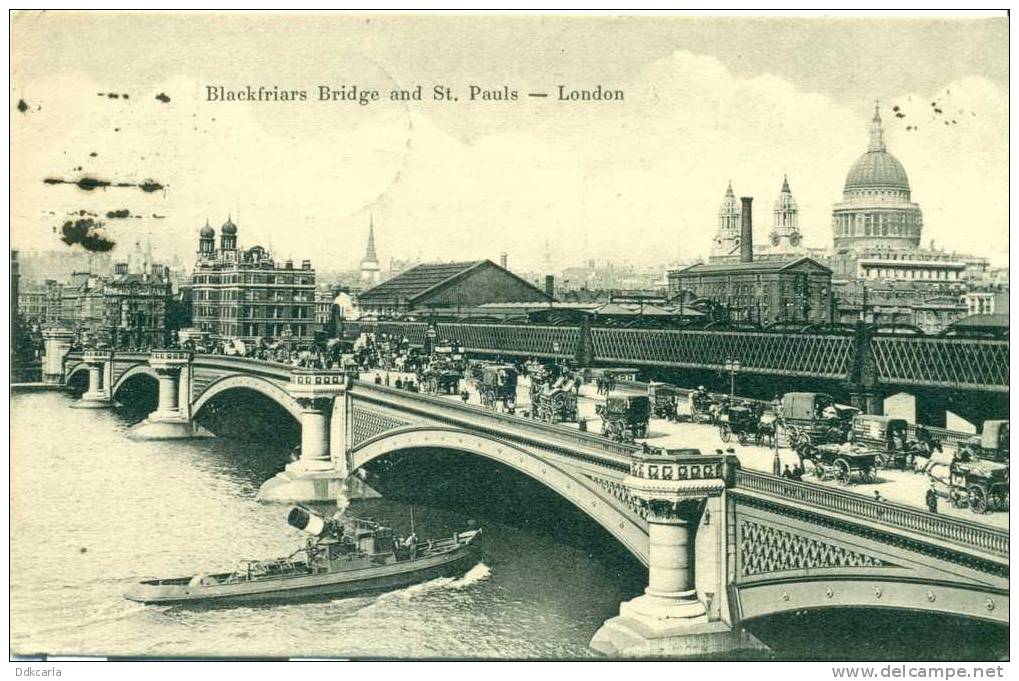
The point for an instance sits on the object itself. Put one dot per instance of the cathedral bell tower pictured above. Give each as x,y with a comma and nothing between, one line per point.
727,239
785,231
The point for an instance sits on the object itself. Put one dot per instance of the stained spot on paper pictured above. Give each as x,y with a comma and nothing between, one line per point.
88,234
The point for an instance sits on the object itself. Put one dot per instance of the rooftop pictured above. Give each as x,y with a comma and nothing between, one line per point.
755,266
419,279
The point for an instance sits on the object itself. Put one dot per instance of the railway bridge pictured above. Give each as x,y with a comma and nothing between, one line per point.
966,376
722,545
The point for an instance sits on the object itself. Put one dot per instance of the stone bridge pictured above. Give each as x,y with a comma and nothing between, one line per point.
722,545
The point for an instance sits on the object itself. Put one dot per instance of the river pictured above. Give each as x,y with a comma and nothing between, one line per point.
92,511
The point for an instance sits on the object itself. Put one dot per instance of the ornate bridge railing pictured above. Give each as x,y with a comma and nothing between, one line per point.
940,528
813,355
942,362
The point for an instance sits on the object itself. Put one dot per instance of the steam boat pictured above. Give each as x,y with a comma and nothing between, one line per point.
341,557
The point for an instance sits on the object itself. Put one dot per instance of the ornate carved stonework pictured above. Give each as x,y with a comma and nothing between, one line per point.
367,424
764,549
620,491
323,404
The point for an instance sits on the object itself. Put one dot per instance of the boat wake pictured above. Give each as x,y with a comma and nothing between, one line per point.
476,574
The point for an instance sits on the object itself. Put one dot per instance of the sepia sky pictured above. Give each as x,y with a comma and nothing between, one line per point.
707,100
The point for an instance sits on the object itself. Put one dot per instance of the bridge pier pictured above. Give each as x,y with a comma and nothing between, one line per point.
323,472
99,380
172,418
56,345
670,619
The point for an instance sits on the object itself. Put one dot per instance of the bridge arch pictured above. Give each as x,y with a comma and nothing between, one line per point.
76,369
255,383
625,526
136,370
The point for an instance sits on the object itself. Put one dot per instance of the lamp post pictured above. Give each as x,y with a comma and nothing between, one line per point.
732,366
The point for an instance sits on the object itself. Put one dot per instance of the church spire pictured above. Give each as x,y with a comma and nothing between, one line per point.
877,136
369,254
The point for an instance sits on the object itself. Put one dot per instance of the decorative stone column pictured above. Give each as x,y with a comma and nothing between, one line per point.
171,420
315,476
56,345
670,619
98,394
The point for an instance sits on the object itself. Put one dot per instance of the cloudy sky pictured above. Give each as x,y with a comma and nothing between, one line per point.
706,100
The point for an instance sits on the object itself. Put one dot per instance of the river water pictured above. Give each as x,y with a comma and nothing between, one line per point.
93,511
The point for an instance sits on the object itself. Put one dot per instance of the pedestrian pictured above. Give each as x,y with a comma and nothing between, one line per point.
932,500
465,396
786,473
582,425
877,496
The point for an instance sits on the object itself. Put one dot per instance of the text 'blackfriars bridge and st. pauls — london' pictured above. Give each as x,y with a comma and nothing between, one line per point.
363,96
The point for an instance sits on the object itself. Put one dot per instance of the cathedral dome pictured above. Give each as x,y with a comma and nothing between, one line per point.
228,227
877,169
207,232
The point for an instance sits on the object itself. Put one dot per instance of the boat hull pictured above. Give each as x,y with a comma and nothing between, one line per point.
313,586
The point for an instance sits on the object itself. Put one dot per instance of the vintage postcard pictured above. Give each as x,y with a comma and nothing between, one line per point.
390,335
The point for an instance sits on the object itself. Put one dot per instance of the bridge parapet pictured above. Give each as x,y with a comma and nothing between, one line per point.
938,528
570,442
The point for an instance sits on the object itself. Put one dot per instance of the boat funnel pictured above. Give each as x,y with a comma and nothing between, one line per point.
306,521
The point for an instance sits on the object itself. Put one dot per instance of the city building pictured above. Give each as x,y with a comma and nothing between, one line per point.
245,294
134,306
987,302
761,292
448,288
32,304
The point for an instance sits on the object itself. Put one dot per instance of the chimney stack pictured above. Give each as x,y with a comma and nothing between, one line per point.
550,285
746,238
503,260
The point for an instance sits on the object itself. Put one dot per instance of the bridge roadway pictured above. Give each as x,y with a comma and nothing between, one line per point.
722,544
902,487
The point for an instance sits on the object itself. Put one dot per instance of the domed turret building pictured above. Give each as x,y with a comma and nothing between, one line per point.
246,294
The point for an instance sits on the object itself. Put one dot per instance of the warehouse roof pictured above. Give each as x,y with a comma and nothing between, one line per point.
744,267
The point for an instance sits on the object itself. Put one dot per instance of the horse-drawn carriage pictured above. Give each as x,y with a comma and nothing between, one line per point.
498,384
624,416
887,437
442,374
747,424
663,398
700,406
815,419
977,476
844,463
556,401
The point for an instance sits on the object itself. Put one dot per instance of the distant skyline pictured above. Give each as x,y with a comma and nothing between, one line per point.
708,100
